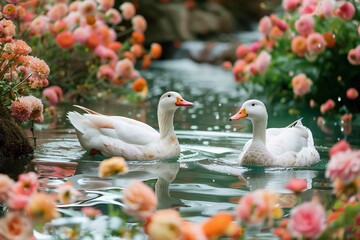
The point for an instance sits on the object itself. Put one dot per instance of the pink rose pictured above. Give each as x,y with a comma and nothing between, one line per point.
296,185
301,84
346,11
352,93
298,45
262,62
128,10
305,25
53,95
340,146
307,220
290,4
344,165
139,23
257,206
27,184
328,105
265,25
326,7
315,43
354,56
124,68
165,224
242,50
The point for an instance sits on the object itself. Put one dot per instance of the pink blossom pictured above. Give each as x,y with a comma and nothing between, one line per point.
305,25
346,11
67,193
139,23
344,165
307,220
256,207
106,4
328,105
262,62
352,93
15,226
308,6
6,185
312,103
74,6
354,56
53,95
128,10
326,8
301,84
124,67
340,146
281,24
265,25
36,107
40,25
140,200
18,201
87,8
105,72
315,43
21,47
255,46
72,20
296,185
239,71
242,50
27,184
290,4
57,12
106,55
113,16
20,109
81,34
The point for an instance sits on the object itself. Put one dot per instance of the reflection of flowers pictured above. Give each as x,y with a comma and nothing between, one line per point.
314,46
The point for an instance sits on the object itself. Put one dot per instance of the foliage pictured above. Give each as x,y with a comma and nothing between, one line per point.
307,57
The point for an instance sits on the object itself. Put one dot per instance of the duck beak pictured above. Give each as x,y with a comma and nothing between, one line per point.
239,115
183,103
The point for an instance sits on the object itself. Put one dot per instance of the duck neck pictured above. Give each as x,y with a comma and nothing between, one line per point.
259,130
166,126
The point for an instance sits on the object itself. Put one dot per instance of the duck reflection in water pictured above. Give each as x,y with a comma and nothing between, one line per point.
87,179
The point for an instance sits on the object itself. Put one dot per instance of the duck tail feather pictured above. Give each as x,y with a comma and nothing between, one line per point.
78,121
87,110
296,123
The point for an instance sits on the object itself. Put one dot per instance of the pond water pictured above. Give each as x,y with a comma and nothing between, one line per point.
206,178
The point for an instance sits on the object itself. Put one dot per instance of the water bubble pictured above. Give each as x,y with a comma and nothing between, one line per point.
194,127
209,128
213,180
227,126
219,104
216,127
193,116
339,99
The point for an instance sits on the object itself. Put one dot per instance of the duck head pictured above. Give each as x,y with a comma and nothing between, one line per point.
253,110
171,101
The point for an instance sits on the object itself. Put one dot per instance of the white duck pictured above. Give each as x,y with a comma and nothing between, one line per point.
289,146
129,138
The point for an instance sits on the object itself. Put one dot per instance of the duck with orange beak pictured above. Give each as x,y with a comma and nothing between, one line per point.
288,146
129,138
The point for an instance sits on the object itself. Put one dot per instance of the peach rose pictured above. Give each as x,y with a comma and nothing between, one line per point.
128,10
307,220
15,226
113,166
262,62
139,199
301,84
239,71
67,193
165,225
305,25
315,43
139,23
296,185
344,165
41,208
354,56
298,45
27,184
124,67
326,8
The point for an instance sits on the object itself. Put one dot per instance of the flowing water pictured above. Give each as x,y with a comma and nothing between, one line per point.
206,178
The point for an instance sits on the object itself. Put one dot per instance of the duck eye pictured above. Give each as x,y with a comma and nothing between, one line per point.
169,95
253,104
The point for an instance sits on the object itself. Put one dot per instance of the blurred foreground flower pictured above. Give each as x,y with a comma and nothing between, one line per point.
112,167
